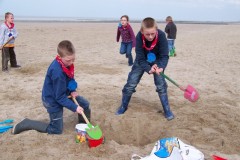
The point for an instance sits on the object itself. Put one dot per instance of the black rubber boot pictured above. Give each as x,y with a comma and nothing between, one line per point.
164,100
124,105
27,124
88,115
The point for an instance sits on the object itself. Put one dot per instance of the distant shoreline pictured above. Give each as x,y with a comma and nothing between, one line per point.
106,20
114,21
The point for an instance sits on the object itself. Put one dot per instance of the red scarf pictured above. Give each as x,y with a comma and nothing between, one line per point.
9,27
69,71
153,43
126,27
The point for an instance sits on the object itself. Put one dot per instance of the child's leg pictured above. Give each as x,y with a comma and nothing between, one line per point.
129,54
161,88
123,48
134,78
174,49
85,105
5,58
12,55
27,124
56,123
170,47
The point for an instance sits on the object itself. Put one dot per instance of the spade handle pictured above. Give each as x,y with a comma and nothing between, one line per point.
173,82
6,43
84,116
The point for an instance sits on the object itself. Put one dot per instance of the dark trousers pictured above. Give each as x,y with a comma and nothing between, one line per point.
56,119
8,54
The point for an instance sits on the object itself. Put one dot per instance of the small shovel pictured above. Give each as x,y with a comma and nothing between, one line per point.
93,132
190,93
6,42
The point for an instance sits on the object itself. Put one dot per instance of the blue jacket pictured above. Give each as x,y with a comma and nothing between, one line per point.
160,51
55,92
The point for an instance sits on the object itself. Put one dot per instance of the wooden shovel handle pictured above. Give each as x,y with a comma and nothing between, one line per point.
6,42
84,116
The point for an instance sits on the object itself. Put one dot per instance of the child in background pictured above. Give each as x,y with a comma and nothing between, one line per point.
171,30
58,85
128,38
8,32
152,58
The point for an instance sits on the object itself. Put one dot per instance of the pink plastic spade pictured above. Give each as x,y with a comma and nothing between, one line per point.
190,93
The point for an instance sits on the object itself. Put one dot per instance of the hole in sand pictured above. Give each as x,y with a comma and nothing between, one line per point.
136,131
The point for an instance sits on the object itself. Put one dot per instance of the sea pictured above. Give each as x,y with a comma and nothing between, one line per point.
105,20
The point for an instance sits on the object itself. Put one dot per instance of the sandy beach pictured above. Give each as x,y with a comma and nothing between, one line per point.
207,58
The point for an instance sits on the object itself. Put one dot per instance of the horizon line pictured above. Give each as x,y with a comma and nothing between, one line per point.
107,20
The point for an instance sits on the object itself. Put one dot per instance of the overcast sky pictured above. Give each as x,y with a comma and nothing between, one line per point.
198,10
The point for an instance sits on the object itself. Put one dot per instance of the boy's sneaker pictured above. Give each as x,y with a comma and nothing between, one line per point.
17,66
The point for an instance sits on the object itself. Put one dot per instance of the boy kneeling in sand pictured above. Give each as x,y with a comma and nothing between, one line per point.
58,85
151,57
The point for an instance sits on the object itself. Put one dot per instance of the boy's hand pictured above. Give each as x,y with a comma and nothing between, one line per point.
79,110
158,71
153,69
74,94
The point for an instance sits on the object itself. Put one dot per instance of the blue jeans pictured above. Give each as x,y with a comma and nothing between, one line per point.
126,48
135,76
170,44
56,119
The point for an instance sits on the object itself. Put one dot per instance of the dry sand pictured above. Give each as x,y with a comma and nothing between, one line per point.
207,57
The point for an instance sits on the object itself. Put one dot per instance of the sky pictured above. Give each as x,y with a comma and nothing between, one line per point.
181,10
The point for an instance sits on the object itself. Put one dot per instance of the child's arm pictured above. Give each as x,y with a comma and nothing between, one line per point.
15,33
60,90
132,37
1,36
140,57
167,29
118,35
163,51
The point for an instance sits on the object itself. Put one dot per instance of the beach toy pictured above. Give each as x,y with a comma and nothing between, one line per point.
7,121
151,57
7,42
218,158
5,128
81,132
80,138
94,142
81,127
93,132
172,149
190,93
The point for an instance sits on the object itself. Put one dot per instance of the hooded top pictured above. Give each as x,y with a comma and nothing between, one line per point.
6,33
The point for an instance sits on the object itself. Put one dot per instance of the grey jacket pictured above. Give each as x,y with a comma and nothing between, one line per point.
4,34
